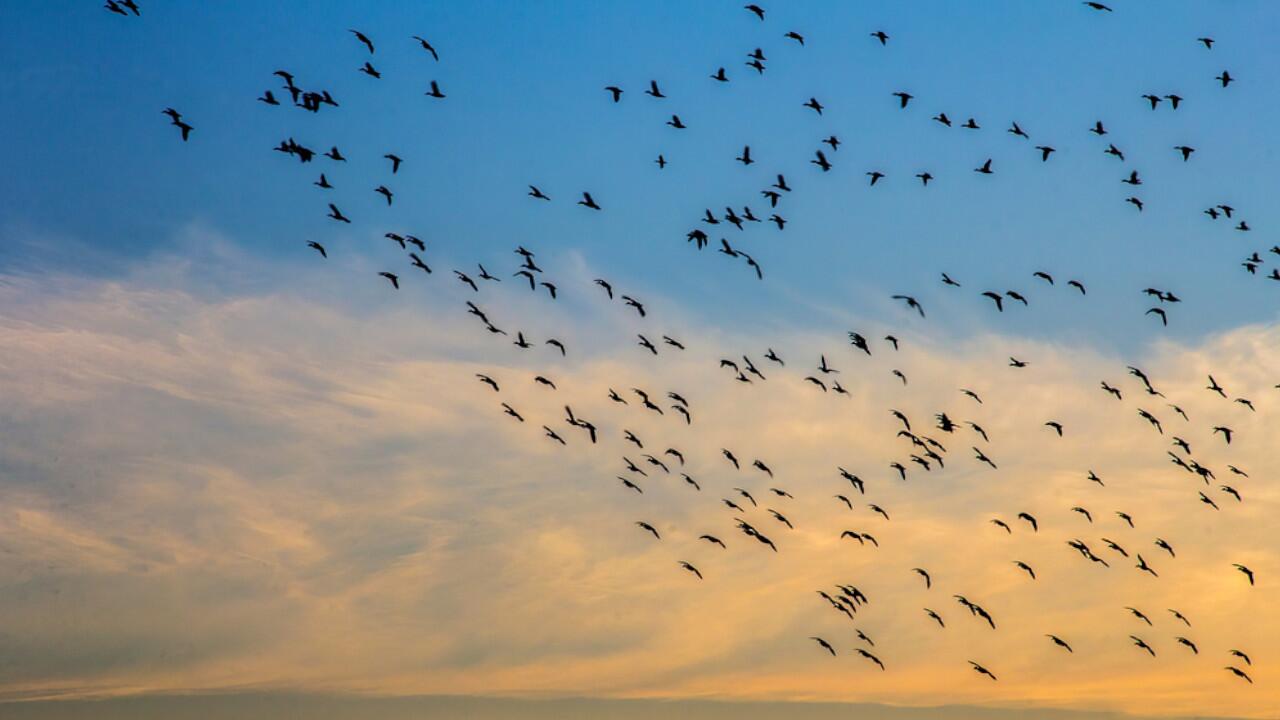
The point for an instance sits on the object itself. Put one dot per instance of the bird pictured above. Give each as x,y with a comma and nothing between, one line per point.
1139,642
615,92
648,528
1139,614
336,214
866,654
1225,78
1060,643
427,46
911,303
825,645
588,201
435,91
363,39
1239,673
693,570
1244,571
318,248
881,36
982,670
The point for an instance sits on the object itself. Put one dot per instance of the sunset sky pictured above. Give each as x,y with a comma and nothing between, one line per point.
238,478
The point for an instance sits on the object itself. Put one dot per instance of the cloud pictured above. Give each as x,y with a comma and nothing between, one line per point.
302,486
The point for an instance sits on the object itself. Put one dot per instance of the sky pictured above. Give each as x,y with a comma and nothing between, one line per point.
231,467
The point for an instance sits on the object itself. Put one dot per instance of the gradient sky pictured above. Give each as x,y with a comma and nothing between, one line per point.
229,465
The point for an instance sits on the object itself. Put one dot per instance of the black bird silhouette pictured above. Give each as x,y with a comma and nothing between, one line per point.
982,670
427,46
435,91
825,645
911,303
649,528
363,38
1139,642
1245,571
588,201
1239,673
336,214
318,248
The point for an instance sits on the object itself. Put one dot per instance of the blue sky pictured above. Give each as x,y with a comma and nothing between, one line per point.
525,106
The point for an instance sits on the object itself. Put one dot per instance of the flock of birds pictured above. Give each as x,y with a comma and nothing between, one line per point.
760,516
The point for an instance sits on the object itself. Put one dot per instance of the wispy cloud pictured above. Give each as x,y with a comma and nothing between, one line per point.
304,487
